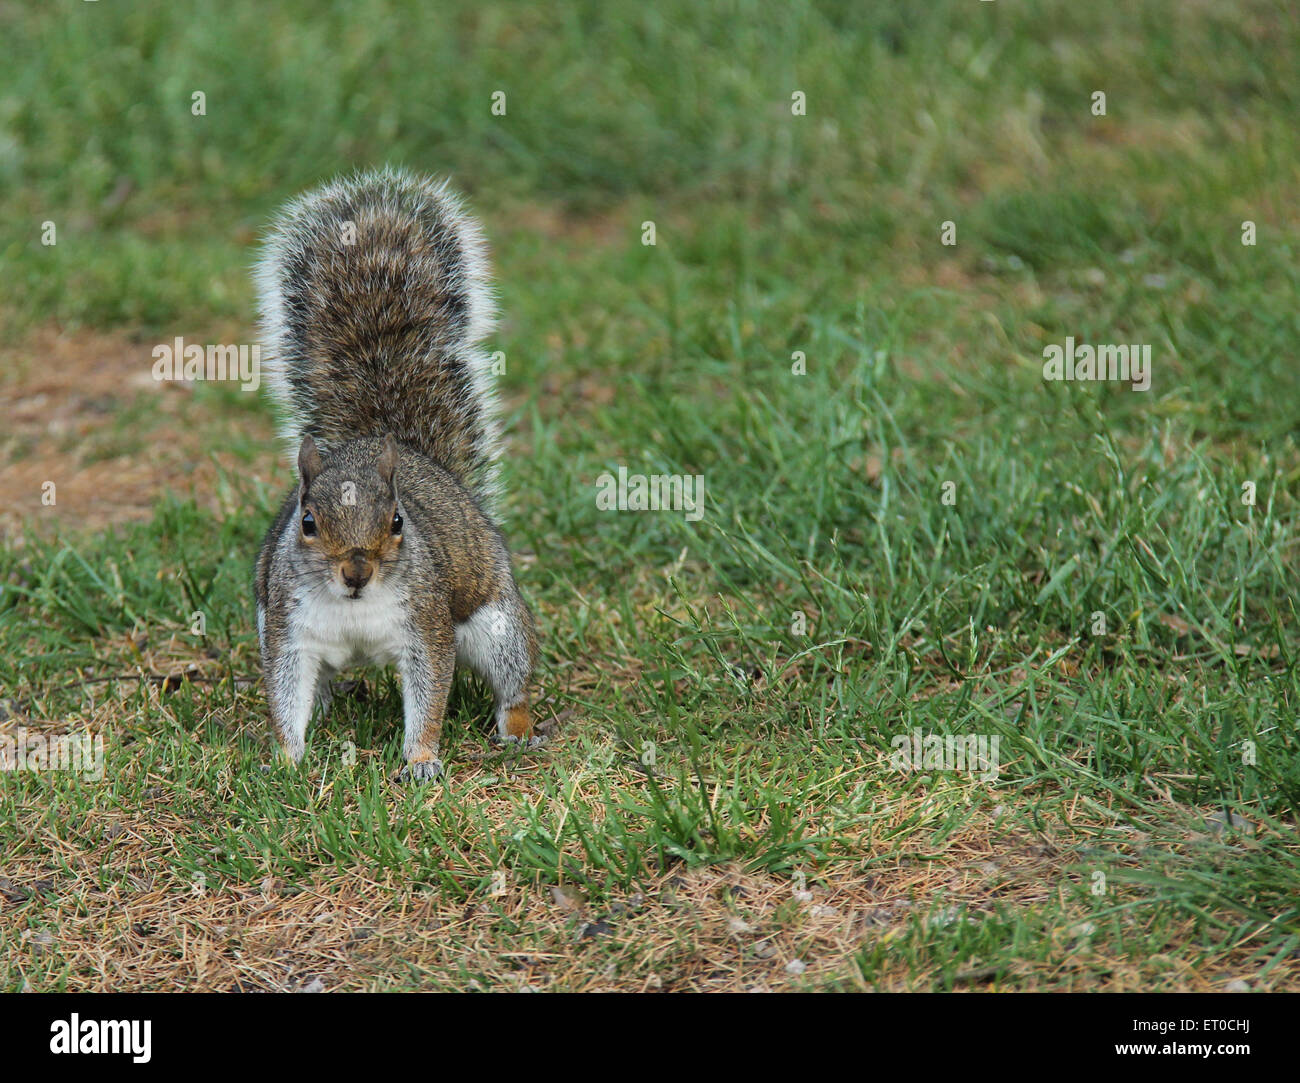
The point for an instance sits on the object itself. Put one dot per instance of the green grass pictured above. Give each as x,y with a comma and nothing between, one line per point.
771,746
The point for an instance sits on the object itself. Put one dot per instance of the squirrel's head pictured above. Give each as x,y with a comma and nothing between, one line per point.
349,522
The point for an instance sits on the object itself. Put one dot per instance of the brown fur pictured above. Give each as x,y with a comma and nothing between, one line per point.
375,361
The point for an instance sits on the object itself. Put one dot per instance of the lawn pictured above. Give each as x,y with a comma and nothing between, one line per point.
870,222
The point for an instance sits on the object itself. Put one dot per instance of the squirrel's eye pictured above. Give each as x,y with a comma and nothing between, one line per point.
397,523
308,524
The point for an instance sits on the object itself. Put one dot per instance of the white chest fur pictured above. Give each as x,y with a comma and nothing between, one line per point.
345,632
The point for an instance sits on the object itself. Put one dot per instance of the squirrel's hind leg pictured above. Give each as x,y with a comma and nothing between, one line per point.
498,643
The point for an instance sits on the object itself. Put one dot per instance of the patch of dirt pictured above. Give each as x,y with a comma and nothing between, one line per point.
83,413
605,228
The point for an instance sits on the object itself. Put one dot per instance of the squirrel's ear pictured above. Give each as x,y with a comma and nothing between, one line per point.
387,462
309,464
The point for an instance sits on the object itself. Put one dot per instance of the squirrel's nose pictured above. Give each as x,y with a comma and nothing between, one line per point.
357,571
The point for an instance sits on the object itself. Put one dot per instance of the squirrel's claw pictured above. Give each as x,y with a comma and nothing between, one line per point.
420,771
510,741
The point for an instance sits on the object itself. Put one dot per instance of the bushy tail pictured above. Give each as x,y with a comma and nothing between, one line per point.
374,293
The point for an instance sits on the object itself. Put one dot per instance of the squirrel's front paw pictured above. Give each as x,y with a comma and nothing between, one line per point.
420,771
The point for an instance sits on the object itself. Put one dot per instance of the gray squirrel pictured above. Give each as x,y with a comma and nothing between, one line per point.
374,295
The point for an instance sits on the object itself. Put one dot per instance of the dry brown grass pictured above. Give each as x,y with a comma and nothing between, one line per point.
712,928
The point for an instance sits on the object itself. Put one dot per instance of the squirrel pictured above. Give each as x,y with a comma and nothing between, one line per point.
374,293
